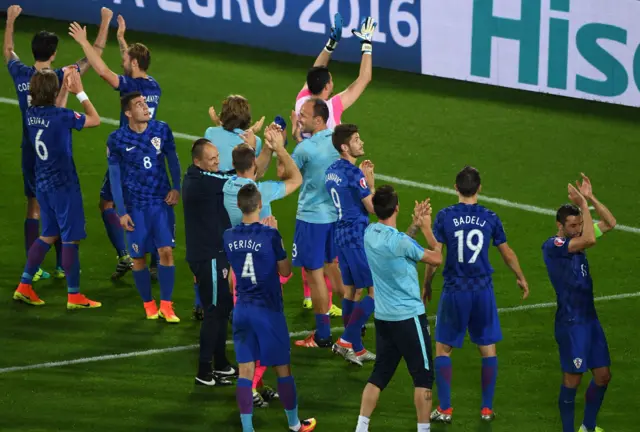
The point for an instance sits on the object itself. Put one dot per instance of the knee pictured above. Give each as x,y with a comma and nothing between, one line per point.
139,264
166,254
571,380
603,378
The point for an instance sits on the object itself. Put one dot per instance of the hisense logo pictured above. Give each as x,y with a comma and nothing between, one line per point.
588,43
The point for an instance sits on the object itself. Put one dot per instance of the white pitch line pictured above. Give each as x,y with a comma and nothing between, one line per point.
293,335
410,183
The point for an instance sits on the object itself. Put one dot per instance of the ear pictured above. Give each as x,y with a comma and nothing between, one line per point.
479,189
455,186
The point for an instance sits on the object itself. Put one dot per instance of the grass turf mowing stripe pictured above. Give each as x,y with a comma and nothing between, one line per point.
396,180
295,334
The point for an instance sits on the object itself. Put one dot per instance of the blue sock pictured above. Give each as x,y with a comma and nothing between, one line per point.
71,265
323,329
167,279
244,397
37,252
289,398
142,278
489,377
593,401
443,380
567,406
31,232
114,231
58,245
359,317
347,310
196,289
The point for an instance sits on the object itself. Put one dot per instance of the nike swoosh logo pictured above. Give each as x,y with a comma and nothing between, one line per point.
130,148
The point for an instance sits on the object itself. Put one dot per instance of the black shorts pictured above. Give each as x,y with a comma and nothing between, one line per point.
408,339
212,277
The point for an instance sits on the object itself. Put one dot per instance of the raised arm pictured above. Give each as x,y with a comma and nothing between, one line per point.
607,220
63,95
12,14
79,33
334,38
588,237
367,169
101,39
122,43
74,84
355,90
291,175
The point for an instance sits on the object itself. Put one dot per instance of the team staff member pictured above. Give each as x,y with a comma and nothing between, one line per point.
205,221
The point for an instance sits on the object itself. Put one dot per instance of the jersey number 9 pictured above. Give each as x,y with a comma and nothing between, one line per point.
336,201
474,241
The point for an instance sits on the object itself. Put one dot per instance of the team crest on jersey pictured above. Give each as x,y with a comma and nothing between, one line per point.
559,242
135,247
157,142
363,183
225,272
577,362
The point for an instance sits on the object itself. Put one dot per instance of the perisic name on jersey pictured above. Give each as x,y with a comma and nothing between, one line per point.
245,244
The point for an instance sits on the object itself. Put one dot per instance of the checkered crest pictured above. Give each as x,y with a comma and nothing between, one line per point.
577,362
157,142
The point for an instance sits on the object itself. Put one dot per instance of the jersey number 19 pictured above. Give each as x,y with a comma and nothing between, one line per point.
474,241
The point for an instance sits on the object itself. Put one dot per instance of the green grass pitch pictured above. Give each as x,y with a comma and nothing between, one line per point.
527,147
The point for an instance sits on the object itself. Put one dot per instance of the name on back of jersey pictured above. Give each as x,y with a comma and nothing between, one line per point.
469,220
244,245
153,99
333,177
37,121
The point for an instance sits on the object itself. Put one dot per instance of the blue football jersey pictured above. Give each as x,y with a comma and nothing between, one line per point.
570,277
269,191
21,75
149,88
49,131
468,230
313,156
141,157
225,141
347,186
253,251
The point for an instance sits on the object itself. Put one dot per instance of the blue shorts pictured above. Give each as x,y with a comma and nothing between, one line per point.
582,347
313,245
260,334
151,230
62,214
474,310
354,267
28,169
105,190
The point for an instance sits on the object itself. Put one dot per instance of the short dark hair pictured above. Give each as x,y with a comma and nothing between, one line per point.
565,211
317,79
197,148
342,134
125,99
249,198
235,113
141,54
468,181
43,45
385,201
243,156
320,108
44,87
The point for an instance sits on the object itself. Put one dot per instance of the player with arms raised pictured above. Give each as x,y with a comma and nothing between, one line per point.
351,189
136,59
256,253
581,340
468,301
44,48
137,154
57,183
319,84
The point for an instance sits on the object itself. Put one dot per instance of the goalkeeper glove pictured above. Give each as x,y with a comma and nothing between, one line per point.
367,27
335,35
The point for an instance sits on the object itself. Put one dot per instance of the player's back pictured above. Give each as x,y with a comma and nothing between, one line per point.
149,88
269,191
49,130
334,104
313,156
468,230
347,186
21,75
225,141
142,158
253,250
570,277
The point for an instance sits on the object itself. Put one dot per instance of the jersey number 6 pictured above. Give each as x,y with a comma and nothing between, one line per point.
41,148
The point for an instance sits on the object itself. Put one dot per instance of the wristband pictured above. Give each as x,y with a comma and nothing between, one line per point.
366,47
331,45
82,96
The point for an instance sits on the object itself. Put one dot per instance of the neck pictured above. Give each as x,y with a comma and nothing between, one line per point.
138,74
247,174
391,221
138,127
319,129
468,200
251,218
39,65
348,157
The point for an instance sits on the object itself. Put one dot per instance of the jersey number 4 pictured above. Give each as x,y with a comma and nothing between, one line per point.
247,269
474,241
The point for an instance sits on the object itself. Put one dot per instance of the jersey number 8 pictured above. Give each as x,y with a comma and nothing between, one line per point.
474,246
41,148
336,201
146,161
